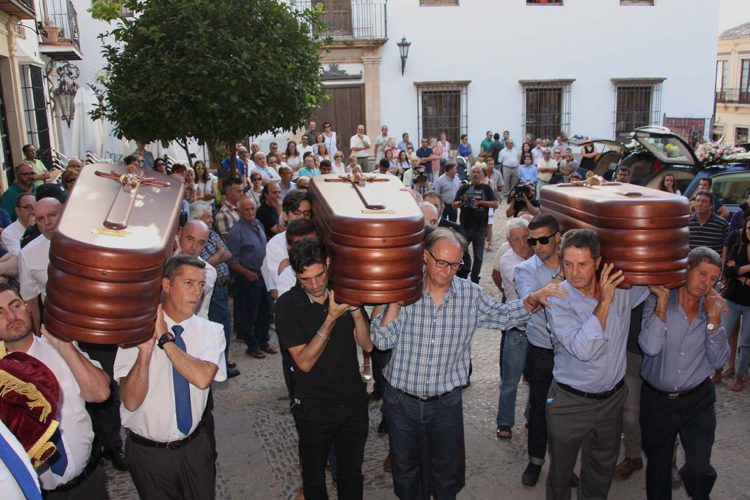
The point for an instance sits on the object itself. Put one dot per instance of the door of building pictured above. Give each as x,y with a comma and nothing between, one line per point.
337,16
345,109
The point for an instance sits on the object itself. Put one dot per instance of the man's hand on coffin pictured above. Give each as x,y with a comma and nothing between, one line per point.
57,343
336,310
608,282
160,326
662,299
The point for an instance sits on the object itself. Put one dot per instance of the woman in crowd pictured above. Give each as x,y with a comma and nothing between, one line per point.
437,153
491,212
589,155
322,154
205,183
464,148
68,179
329,137
255,192
669,184
737,296
338,166
393,163
403,162
293,158
190,187
525,153
160,165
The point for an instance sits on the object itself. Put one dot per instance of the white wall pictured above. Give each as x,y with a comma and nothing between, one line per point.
497,43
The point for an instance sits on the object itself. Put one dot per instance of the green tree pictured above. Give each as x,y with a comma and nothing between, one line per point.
211,70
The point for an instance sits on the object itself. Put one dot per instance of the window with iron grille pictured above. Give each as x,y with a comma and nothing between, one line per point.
438,2
637,104
35,111
546,108
442,107
722,75
744,80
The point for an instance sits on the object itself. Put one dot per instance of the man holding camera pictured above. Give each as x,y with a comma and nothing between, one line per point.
475,200
522,200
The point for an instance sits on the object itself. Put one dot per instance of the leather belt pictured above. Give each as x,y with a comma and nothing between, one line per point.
592,395
678,394
172,445
427,398
91,466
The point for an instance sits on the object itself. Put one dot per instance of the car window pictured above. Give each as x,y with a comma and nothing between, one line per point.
682,178
732,189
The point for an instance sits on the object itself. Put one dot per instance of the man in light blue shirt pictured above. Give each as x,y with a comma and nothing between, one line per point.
585,401
683,342
447,186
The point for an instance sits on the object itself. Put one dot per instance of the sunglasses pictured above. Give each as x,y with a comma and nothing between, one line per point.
542,239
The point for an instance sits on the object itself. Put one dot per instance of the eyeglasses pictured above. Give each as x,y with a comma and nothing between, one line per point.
256,178
303,213
69,181
542,239
442,264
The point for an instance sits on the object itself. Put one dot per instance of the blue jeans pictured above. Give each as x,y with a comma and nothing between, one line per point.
442,421
737,312
218,312
253,313
512,363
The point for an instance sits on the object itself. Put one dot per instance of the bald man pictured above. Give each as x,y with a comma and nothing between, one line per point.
34,258
191,241
431,215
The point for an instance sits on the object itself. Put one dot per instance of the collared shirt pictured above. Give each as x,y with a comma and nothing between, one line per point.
586,357
505,264
537,154
8,200
287,189
531,275
211,248
485,145
226,217
8,484
276,251
509,157
711,234
679,354
527,173
306,172
11,237
247,242
267,172
550,166
447,187
357,142
225,166
156,418
76,430
432,345
208,289
32,268
38,168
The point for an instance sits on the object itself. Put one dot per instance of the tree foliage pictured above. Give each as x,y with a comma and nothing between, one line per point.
211,70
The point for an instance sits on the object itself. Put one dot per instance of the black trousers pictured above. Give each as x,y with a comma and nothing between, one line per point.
185,473
538,372
105,416
693,417
320,424
92,487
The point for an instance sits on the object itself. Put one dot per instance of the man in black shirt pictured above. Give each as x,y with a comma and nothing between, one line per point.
330,402
475,200
269,210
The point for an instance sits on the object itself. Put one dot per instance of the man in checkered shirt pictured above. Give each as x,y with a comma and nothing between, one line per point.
431,342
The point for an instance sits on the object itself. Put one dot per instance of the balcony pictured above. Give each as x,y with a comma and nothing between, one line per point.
61,41
350,21
733,96
22,9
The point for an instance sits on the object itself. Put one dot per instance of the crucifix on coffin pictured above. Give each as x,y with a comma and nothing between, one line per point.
119,214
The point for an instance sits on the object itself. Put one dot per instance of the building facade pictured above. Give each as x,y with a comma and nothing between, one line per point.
733,86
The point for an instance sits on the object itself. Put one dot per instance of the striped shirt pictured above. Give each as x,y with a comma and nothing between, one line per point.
432,345
711,234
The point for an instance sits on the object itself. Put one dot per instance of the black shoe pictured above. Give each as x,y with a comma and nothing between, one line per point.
531,475
382,427
232,372
575,481
231,365
375,396
117,457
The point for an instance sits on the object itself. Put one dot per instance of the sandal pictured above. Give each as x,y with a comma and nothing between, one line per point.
735,385
504,433
367,370
728,373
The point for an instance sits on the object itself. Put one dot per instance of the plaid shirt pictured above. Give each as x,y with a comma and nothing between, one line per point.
432,345
211,248
226,217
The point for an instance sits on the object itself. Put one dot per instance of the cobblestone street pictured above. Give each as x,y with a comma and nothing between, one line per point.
257,442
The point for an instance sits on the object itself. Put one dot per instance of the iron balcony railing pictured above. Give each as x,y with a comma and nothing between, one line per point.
62,14
733,96
351,19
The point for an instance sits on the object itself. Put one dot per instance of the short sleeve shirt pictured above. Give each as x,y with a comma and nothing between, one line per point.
472,216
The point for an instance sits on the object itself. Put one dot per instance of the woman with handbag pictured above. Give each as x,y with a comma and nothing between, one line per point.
738,301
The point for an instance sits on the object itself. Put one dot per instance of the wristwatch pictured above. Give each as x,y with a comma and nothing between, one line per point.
711,327
164,339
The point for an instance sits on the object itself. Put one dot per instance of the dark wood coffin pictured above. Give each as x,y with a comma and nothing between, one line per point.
107,256
374,235
643,231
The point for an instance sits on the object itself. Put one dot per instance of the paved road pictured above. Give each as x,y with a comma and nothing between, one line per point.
258,449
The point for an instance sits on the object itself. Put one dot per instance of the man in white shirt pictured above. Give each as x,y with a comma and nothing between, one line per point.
447,186
545,170
164,387
11,235
73,472
538,151
382,142
34,258
304,146
193,238
513,345
360,147
509,160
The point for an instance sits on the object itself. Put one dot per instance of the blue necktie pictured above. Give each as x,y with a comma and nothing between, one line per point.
59,461
19,471
181,389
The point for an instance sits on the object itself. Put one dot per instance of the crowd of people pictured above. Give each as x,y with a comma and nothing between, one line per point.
605,366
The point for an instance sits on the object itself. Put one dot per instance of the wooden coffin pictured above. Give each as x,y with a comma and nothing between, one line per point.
107,256
643,231
374,236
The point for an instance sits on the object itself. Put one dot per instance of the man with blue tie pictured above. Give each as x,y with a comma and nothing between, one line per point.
683,342
586,398
73,472
164,387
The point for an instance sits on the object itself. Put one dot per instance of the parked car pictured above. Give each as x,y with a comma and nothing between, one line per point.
730,184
